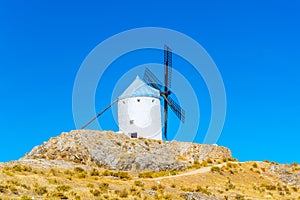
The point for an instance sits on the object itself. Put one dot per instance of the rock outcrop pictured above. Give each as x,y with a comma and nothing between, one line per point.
116,151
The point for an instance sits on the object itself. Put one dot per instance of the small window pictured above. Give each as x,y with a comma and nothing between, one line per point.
131,122
153,100
138,100
133,135
123,102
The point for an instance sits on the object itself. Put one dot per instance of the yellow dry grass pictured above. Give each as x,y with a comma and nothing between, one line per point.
251,180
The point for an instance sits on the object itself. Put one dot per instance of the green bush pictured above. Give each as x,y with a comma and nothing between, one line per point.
40,190
173,173
24,197
18,168
269,187
146,174
63,188
150,174
202,190
107,173
90,185
139,183
215,169
52,181
82,175
78,170
122,175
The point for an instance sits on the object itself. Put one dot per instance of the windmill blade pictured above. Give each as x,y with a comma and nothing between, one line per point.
151,79
99,114
165,117
179,112
168,66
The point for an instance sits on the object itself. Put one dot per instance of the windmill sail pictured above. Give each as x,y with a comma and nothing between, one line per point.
152,80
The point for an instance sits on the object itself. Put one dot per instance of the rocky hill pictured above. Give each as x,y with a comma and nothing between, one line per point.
84,165
116,151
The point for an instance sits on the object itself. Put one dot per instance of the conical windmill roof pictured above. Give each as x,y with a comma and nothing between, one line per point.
139,88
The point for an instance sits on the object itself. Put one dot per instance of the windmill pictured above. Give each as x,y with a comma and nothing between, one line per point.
139,109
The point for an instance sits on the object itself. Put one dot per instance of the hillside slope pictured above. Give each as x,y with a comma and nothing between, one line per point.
105,165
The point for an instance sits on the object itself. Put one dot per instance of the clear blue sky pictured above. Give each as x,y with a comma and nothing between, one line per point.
255,45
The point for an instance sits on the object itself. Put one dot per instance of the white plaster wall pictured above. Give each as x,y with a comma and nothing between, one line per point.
145,113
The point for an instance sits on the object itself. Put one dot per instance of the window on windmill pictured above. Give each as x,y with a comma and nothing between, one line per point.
123,102
133,135
131,121
152,100
138,100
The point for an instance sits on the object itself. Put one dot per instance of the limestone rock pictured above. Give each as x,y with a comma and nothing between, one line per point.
117,151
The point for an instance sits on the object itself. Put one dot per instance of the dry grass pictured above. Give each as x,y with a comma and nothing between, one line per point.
232,181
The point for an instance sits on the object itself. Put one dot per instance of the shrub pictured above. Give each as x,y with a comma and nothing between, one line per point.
53,172
133,189
94,172
173,173
269,187
82,175
52,181
40,190
13,182
78,170
154,187
188,189
239,197
58,195
103,187
294,164
295,189
229,185
68,172
215,169
146,174
204,163
89,185
13,189
9,173
24,197
229,164
107,173
123,193
173,186
63,188
139,183
3,189
122,175
255,165
202,190
17,168
96,193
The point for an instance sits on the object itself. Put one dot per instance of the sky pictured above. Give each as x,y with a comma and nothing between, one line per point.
254,44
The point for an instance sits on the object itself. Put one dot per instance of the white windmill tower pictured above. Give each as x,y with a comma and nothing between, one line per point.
139,113
139,108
